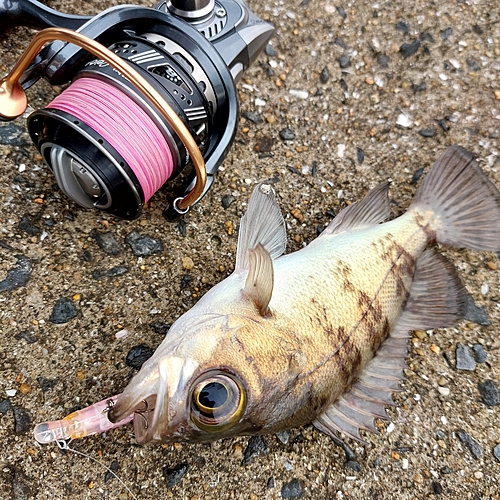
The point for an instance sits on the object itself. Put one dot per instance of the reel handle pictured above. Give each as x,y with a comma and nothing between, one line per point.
36,15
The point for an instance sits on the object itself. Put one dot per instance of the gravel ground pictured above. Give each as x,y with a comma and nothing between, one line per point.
348,95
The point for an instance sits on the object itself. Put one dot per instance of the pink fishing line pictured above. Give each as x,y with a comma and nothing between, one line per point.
125,125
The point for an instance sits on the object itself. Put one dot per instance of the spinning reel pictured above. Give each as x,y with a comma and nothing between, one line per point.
151,95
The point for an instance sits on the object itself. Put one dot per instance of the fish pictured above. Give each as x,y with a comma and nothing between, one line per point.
319,335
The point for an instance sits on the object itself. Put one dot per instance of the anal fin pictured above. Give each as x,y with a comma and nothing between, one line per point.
366,400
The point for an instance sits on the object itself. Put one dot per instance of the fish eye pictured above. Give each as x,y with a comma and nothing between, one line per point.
217,402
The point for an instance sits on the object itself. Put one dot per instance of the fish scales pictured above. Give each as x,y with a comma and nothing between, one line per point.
320,335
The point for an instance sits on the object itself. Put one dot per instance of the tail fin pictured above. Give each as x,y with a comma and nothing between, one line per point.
464,200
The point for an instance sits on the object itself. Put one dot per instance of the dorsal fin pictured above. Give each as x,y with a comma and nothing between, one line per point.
262,223
371,210
260,280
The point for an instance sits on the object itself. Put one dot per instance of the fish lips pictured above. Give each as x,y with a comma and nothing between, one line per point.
158,398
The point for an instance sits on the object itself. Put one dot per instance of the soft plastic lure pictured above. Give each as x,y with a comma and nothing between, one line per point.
81,423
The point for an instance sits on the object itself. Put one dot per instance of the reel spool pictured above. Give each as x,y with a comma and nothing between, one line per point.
151,97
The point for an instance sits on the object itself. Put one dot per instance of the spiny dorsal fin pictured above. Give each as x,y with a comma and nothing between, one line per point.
371,210
262,223
260,279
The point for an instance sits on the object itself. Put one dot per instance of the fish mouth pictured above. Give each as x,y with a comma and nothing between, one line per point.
146,413
156,396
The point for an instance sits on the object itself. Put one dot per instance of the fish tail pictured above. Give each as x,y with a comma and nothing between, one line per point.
465,203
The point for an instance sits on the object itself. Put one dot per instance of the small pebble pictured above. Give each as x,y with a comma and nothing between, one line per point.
383,60
403,27
301,94
22,420
108,242
264,145
427,132
445,34
408,49
160,328
480,354
324,76
353,465
138,355
114,466
476,314
344,61
270,51
256,446
418,478
472,445
446,470
464,358
270,483
403,120
445,391
437,489
496,452
46,383
143,245
340,43
27,336
5,406
121,334
252,117
18,276
489,393
175,474
292,490
341,11
360,155
473,64
286,134
63,311
187,263
26,226
11,392
226,201
109,273
297,214
24,389
283,436
13,135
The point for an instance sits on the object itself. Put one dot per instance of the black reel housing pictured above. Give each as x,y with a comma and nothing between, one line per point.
192,57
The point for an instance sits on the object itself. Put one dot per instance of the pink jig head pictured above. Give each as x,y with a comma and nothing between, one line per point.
81,423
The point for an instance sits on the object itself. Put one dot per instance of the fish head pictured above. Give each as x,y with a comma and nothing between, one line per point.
196,387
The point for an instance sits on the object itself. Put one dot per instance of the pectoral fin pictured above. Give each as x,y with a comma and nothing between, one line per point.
262,223
260,279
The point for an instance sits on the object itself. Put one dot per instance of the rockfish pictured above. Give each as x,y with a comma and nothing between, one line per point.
320,335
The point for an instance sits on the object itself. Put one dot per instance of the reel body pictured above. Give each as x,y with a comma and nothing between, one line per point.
106,143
